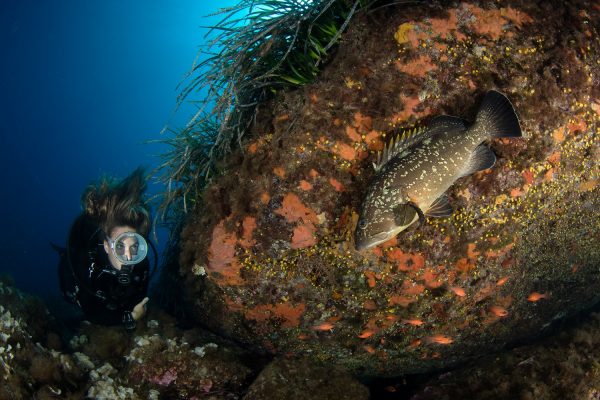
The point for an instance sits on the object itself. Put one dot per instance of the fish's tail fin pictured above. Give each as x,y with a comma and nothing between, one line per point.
497,117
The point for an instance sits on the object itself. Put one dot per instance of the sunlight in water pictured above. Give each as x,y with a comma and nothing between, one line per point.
284,7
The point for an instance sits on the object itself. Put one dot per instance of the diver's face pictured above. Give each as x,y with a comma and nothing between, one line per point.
128,246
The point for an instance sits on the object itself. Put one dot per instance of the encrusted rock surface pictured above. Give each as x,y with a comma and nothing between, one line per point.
291,379
564,366
269,259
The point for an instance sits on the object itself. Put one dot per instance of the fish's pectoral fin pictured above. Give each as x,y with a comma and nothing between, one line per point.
481,158
440,208
404,214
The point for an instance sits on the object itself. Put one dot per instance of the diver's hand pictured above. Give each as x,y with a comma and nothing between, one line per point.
140,309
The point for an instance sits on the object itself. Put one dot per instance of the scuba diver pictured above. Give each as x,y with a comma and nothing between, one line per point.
104,269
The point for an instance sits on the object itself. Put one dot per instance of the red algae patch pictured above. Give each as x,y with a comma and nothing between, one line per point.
303,236
353,134
370,278
337,185
431,278
305,185
374,141
362,122
464,265
248,226
528,176
252,148
279,171
288,314
554,158
485,22
410,103
265,197
221,255
418,67
445,28
492,22
406,261
412,288
345,151
472,254
293,210
222,248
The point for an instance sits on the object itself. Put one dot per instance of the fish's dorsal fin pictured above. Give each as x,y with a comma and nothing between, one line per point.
446,124
409,137
398,144
440,208
481,158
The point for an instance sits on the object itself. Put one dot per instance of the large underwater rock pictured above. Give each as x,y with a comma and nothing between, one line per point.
269,260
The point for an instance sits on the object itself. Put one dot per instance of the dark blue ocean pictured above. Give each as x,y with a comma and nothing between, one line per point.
83,86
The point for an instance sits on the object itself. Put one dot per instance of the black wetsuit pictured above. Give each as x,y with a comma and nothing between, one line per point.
87,278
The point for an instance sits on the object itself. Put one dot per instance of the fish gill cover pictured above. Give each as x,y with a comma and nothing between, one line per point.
267,255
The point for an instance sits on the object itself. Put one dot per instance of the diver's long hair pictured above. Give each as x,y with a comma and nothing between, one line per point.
112,203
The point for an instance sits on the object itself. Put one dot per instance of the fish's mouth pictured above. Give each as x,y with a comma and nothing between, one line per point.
362,245
380,238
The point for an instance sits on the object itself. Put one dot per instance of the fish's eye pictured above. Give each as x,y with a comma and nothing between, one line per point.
362,224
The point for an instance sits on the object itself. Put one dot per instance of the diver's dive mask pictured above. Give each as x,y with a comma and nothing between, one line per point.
129,248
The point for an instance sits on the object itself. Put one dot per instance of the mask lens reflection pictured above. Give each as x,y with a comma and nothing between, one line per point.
129,248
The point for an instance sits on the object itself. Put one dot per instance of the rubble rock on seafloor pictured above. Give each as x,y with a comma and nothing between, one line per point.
157,361
274,235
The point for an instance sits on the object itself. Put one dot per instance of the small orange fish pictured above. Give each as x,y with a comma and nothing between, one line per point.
458,291
502,281
535,296
366,334
325,326
369,349
498,311
413,322
439,339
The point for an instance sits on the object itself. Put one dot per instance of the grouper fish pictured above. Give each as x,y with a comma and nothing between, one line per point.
415,169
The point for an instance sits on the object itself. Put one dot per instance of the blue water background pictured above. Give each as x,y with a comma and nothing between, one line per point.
83,84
